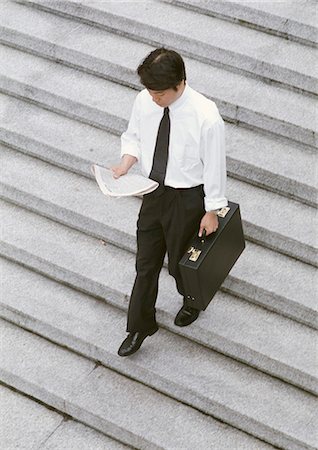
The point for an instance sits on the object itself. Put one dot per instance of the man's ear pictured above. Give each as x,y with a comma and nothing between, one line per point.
180,85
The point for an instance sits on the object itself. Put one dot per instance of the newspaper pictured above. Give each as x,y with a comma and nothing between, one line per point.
124,186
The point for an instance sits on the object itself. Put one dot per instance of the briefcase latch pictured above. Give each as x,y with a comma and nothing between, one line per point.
194,254
223,211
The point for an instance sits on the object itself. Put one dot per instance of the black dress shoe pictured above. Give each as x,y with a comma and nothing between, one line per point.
133,342
186,315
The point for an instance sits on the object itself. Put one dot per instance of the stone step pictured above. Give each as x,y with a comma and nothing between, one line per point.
119,407
114,227
97,395
216,41
255,104
38,132
279,284
27,424
76,202
216,387
64,90
294,21
280,353
285,232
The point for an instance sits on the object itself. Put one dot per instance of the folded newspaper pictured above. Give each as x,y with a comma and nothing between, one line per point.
124,186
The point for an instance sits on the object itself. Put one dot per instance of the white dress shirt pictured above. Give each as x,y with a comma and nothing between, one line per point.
196,147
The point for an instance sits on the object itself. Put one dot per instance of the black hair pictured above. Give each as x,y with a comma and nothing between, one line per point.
162,69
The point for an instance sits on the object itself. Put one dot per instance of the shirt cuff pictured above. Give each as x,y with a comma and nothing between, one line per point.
130,151
215,203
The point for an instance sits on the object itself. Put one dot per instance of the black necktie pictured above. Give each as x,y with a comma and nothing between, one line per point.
160,157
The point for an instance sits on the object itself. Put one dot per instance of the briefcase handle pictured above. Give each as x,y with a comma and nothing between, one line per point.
203,237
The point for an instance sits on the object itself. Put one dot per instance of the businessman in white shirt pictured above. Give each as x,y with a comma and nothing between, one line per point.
177,136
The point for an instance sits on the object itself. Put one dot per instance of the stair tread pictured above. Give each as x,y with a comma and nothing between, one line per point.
281,279
61,81
74,435
57,222
83,318
234,89
285,215
263,268
54,84
78,143
294,19
101,396
27,424
301,11
228,36
235,41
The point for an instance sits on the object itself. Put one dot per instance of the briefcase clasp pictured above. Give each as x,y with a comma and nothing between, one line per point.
195,253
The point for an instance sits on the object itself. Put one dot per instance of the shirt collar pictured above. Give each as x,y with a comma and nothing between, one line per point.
177,103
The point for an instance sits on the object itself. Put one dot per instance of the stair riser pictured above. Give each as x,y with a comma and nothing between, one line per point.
71,409
60,105
252,232
101,119
235,168
120,301
45,153
258,20
122,75
70,58
91,351
187,46
269,181
232,285
179,393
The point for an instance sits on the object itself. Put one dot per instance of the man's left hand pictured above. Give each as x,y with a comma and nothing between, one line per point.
209,222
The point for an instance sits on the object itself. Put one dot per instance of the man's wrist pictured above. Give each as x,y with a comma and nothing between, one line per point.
127,161
213,211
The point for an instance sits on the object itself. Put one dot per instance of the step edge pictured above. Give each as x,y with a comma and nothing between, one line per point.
207,406
254,233
70,408
237,169
246,18
236,286
242,61
283,372
119,74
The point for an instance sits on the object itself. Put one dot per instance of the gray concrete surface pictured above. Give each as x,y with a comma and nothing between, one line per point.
23,422
259,81
255,103
27,424
72,435
215,328
230,44
61,309
279,283
277,277
100,397
256,158
285,231
54,374
292,20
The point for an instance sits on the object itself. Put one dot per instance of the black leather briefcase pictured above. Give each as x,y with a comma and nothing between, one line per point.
208,260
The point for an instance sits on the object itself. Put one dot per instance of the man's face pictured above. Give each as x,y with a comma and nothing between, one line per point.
168,96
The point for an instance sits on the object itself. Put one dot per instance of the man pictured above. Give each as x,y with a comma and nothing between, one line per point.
177,135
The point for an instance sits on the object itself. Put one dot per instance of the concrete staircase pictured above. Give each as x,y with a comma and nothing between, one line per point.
244,375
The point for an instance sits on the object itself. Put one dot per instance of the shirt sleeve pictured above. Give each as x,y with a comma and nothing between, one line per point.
214,164
130,139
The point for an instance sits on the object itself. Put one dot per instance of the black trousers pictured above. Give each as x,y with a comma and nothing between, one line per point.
166,223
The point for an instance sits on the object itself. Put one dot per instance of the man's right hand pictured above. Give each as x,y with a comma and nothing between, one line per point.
118,171
126,162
